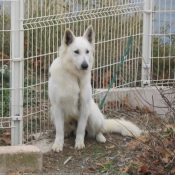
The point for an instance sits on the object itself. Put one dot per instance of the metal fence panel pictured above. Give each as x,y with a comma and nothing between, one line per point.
44,25
163,43
29,46
5,66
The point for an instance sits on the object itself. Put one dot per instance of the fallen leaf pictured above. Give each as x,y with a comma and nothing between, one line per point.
106,106
147,110
144,168
106,79
165,160
166,74
110,147
144,139
162,151
111,105
126,99
24,140
172,126
5,58
15,173
140,157
124,170
12,173
138,108
118,78
88,171
28,171
173,170
126,102
91,169
102,164
133,144
7,138
168,143
118,104
94,80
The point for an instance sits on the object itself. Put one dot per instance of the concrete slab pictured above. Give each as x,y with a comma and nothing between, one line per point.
21,158
149,97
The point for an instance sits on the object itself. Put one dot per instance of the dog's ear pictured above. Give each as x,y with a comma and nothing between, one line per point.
89,34
68,37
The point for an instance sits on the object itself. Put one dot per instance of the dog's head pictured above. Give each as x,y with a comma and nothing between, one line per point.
77,52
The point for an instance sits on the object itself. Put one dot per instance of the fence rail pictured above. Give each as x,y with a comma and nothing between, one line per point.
30,35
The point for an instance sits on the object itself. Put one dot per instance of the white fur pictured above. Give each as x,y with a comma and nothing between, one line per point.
70,94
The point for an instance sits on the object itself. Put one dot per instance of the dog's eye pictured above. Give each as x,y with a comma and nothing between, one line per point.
87,51
76,51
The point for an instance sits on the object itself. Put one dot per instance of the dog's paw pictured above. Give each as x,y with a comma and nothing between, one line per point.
79,145
57,147
100,138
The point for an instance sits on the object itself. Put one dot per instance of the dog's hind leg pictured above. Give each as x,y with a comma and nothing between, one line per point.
92,133
100,138
59,125
96,123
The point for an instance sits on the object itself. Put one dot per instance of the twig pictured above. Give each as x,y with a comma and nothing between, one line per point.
153,102
166,101
51,168
67,160
156,170
170,161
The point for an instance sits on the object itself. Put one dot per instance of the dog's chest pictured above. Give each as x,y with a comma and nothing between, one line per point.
70,99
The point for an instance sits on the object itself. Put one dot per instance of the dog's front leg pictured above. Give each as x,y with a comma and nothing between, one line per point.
85,99
82,122
59,124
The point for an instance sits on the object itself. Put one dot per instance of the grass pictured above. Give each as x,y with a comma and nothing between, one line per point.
107,167
98,150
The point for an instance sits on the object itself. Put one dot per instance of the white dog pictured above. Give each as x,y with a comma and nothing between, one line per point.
70,93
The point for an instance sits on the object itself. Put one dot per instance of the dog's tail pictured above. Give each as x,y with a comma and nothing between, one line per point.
125,128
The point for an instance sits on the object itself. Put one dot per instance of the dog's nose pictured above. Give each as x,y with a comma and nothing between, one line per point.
84,65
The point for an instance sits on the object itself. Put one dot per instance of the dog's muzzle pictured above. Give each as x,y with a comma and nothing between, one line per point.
84,65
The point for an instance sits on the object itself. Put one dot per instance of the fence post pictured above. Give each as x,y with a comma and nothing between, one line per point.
146,45
17,61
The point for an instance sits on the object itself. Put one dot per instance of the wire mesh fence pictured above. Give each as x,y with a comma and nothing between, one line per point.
41,27
163,43
5,59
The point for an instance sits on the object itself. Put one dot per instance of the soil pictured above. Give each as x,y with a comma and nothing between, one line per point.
93,159
120,155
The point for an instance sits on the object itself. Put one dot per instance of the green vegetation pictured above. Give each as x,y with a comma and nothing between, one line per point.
163,53
5,92
98,150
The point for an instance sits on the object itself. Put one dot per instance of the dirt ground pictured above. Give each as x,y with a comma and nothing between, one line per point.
151,153
119,155
94,158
